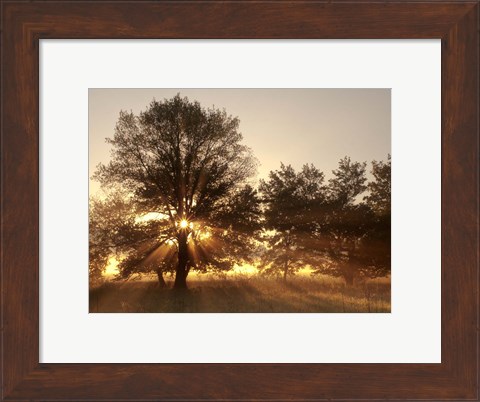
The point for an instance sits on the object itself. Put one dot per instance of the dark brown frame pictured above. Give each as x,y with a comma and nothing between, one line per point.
24,23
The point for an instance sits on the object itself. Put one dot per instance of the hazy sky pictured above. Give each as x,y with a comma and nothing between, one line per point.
293,126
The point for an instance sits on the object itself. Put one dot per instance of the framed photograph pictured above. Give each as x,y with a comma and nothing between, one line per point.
253,227
240,201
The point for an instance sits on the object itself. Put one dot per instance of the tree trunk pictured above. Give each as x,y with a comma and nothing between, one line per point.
161,280
181,271
285,271
180,280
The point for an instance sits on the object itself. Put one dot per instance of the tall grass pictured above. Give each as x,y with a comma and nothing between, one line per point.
243,294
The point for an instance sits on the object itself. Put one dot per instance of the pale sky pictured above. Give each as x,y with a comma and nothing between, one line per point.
293,126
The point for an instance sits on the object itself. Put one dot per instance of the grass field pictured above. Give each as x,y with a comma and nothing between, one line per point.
239,294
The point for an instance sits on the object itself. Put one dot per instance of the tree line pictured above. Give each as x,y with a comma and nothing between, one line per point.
180,198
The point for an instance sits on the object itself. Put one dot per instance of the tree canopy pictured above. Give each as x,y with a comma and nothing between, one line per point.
186,163
354,238
329,227
290,199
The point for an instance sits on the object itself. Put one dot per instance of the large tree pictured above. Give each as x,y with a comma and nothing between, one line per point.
353,234
185,163
290,199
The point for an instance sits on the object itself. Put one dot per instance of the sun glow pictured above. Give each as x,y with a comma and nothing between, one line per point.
111,268
244,269
183,223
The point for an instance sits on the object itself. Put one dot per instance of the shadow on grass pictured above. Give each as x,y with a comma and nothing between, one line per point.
252,295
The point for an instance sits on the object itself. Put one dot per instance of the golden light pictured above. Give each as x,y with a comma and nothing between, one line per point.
205,235
244,269
111,268
183,223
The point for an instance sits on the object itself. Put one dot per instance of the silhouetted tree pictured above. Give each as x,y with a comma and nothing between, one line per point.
107,220
380,188
377,245
348,182
118,229
354,235
98,251
340,235
290,200
185,163
342,222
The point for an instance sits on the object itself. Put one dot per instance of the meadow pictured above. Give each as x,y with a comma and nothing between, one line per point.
242,294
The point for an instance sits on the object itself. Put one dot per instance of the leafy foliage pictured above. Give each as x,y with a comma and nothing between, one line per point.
355,239
185,163
290,200
380,188
116,230
328,227
348,182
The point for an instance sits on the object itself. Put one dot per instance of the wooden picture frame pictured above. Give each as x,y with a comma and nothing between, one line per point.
25,23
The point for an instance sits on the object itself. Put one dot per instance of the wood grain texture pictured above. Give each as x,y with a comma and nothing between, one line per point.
24,23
